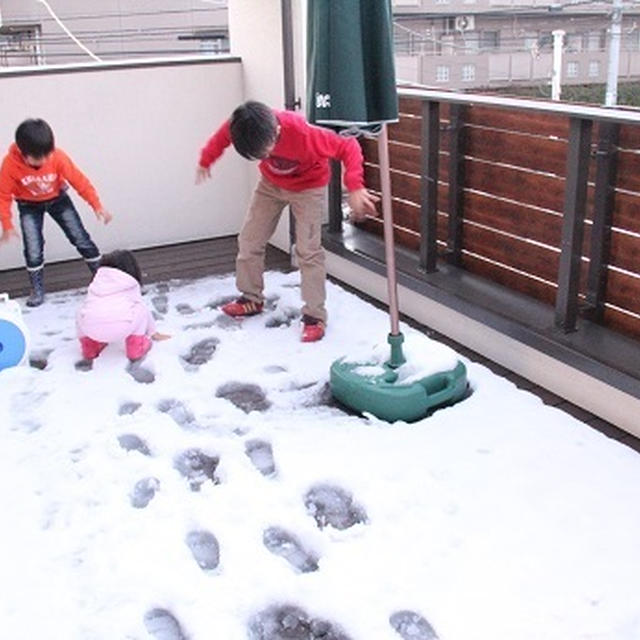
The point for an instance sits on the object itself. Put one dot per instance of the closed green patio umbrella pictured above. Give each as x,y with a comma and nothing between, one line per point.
352,86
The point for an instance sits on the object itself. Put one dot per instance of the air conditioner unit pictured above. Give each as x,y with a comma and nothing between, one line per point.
465,23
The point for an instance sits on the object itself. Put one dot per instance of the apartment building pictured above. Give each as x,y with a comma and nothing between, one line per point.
492,43
36,32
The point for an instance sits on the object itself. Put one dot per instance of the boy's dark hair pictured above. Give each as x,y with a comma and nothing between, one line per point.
34,138
254,127
123,260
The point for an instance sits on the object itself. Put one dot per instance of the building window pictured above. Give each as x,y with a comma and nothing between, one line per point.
595,40
20,45
442,73
632,41
594,68
573,69
468,72
574,42
490,40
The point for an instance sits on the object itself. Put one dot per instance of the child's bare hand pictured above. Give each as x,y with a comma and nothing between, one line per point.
202,174
159,337
8,235
361,203
104,215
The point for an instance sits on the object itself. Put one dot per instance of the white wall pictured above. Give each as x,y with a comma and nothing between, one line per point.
255,32
136,131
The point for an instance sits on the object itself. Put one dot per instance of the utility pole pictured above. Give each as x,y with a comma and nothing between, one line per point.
556,71
611,96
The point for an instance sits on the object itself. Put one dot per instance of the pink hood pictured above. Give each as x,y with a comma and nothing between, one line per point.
113,282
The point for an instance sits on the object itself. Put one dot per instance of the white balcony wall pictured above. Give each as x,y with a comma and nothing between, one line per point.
136,130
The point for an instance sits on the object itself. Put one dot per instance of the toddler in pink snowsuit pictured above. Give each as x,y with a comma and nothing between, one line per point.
114,309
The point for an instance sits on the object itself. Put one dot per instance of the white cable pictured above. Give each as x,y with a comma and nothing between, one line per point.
64,28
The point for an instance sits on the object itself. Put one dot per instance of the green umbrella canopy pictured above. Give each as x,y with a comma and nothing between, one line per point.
351,75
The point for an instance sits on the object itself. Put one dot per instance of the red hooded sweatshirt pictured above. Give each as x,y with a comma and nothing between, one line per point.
20,181
300,157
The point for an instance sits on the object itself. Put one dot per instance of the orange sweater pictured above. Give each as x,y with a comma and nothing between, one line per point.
20,181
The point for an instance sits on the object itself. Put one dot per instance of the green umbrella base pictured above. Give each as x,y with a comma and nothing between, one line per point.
387,400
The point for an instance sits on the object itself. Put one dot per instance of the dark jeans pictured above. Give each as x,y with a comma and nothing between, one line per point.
61,209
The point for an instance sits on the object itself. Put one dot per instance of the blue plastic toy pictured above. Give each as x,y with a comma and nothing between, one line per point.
14,337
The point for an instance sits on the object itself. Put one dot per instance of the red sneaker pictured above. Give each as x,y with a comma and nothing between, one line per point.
137,346
91,349
312,329
242,307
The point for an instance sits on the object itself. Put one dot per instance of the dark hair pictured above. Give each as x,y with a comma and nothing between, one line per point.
254,127
34,138
123,260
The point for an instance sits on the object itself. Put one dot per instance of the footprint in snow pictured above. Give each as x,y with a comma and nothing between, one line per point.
293,623
163,625
83,365
201,352
132,442
179,413
144,492
128,408
261,455
140,373
205,549
412,626
160,303
282,543
197,467
39,359
330,505
205,324
185,309
247,397
281,318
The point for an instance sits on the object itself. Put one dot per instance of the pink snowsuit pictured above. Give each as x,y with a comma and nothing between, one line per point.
114,309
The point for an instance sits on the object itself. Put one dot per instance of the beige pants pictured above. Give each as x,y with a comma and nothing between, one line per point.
308,208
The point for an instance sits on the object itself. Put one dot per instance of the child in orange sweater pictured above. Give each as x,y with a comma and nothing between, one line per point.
35,173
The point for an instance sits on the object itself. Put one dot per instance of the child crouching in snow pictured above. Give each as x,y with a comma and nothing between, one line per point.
114,309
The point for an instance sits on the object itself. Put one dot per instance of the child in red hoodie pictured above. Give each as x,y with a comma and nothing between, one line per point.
35,173
294,163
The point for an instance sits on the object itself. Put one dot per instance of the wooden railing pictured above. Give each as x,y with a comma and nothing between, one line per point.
542,198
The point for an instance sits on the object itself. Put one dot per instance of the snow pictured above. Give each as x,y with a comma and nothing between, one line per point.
499,518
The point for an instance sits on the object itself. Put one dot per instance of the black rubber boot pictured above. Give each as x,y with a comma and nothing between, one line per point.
37,288
93,265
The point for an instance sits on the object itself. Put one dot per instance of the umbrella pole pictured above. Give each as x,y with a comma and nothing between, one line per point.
395,338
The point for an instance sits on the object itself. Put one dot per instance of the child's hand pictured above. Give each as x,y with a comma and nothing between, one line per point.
202,173
8,235
158,337
362,202
104,215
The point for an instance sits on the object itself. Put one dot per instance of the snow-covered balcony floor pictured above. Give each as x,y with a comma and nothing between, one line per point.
215,490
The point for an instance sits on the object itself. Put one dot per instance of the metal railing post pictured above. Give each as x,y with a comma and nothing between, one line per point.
575,199
429,185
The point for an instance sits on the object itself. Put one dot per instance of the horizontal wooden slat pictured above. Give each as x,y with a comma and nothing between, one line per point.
511,279
625,212
523,121
514,218
522,186
629,137
512,252
623,290
623,322
625,252
521,150
408,130
628,172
